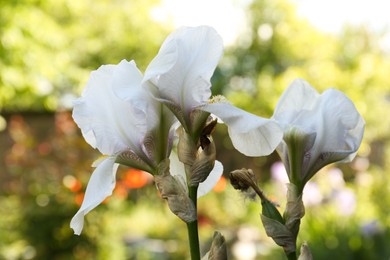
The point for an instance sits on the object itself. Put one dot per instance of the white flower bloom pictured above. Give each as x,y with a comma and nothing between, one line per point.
134,129
179,76
319,129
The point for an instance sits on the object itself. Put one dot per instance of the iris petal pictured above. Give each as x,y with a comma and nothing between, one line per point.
180,73
331,116
100,186
297,97
106,121
212,179
250,134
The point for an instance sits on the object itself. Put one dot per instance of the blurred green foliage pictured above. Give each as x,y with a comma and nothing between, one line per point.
49,47
47,50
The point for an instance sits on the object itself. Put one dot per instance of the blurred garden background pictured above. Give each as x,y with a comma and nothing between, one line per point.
49,47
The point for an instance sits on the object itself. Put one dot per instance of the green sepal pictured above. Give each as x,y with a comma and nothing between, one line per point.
270,211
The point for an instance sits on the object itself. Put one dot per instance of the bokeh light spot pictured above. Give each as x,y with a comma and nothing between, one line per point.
42,200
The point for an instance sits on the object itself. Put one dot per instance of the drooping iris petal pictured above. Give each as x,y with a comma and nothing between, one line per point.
106,121
180,73
100,186
250,134
212,179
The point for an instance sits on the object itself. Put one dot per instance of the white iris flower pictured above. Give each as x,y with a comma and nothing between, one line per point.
319,129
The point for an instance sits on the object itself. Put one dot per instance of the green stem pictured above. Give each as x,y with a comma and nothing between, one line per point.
297,195
292,256
192,227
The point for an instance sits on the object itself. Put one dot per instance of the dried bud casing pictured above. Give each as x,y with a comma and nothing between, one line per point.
218,249
203,164
280,234
186,148
198,119
273,222
285,232
198,156
175,193
295,210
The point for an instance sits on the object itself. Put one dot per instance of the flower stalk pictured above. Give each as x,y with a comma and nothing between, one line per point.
197,153
192,227
282,229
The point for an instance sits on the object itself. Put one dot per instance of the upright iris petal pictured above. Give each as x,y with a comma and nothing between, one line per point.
318,129
119,118
179,76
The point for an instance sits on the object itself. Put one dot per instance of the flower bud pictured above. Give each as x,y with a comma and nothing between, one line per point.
242,179
305,252
245,181
273,221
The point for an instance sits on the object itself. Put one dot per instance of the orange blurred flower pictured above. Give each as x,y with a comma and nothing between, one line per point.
135,179
221,185
106,200
78,198
44,148
73,184
121,190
